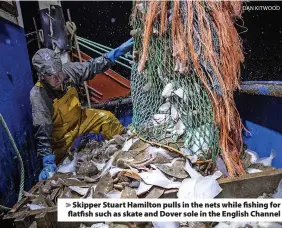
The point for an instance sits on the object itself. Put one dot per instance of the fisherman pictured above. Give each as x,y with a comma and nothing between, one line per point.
58,118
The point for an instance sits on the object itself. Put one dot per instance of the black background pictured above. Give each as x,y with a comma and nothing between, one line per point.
108,23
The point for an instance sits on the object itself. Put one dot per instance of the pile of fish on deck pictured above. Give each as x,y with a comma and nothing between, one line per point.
127,167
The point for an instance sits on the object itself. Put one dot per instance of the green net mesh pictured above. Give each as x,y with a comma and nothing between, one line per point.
182,120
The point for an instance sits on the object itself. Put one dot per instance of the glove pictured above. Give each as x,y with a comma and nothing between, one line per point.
114,54
49,167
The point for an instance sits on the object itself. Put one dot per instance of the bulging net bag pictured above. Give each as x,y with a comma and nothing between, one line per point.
180,97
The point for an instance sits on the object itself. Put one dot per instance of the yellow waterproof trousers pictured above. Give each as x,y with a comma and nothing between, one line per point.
70,121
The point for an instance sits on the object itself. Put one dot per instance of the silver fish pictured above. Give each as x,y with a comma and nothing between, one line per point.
70,167
79,190
168,89
252,170
157,178
268,160
164,107
35,206
174,113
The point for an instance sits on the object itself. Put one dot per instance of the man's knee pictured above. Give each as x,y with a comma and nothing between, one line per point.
109,115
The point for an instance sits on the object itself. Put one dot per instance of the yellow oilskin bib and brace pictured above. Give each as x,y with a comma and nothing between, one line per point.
70,121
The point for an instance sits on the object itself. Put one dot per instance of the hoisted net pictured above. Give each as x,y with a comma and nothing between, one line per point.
182,84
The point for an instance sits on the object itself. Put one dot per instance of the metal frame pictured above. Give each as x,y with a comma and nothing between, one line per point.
265,88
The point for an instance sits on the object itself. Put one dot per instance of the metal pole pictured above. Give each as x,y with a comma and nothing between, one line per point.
127,100
37,34
80,59
265,88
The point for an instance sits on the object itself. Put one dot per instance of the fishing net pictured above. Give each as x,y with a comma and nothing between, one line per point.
182,88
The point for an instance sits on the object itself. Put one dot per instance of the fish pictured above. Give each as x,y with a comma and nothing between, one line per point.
160,119
177,65
248,224
143,188
193,158
174,114
35,206
155,193
111,149
87,168
129,132
254,156
201,138
90,193
198,186
147,87
167,224
178,172
119,139
268,160
186,151
105,169
79,190
153,151
128,193
251,170
179,128
157,178
27,194
113,195
180,93
220,165
100,225
134,184
163,79
115,170
129,143
105,185
167,91
70,167
183,68
164,108
66,161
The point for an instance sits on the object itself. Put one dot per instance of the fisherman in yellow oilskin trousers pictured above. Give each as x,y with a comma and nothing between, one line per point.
58,118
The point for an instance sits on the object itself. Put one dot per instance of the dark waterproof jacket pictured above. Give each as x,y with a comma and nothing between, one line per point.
42,99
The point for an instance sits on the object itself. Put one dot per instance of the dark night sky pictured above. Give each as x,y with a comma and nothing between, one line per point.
107,23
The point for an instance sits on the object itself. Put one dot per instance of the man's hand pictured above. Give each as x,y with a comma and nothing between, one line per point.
49,167
113,55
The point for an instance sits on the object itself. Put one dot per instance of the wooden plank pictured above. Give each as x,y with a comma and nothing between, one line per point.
250,185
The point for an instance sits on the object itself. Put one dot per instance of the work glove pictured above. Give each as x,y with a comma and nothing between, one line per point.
49,167
114,54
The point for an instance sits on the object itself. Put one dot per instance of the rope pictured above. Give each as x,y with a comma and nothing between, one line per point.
99,46
19,157
91,49
127,55
71,28
31,33
96,44
156,144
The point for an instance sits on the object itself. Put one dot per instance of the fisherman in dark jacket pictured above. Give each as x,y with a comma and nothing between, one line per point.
58,117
